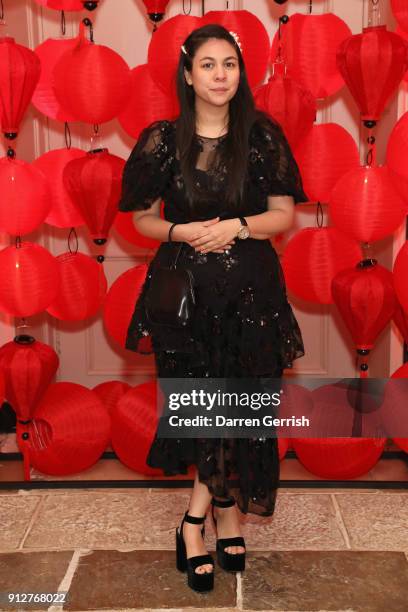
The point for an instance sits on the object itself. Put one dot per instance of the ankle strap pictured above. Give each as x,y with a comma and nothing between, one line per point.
223,503
196,520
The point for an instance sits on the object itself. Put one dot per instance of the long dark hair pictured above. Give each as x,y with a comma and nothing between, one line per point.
242,114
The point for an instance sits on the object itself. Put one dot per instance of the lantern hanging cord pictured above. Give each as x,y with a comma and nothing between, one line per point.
370,152
189,10
72,231
63,24
87,22
319,214
1,9
67,135
18,242
96,128
310,6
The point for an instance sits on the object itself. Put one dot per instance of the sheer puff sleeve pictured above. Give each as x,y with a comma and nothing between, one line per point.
276,168
148,168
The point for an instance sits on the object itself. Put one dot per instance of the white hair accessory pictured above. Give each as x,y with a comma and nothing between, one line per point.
184,50
236,38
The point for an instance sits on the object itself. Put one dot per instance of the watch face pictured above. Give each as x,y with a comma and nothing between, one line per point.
243,232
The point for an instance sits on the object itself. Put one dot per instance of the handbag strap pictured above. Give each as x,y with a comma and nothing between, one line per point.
173,265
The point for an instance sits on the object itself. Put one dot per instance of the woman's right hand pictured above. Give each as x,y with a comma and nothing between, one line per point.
185,232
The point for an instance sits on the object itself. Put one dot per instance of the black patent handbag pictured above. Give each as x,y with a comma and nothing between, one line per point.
170,298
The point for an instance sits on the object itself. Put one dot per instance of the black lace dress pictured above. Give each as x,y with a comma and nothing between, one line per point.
243,324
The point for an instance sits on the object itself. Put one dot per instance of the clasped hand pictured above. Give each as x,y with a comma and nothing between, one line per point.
212,235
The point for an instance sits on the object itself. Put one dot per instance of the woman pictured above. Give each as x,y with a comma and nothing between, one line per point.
223,170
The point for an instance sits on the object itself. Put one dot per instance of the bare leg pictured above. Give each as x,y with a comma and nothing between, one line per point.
228,525
199,502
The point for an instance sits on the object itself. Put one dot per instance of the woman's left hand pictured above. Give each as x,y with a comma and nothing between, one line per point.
216,236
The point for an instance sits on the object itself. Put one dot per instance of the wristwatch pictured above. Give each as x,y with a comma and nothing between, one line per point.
243,231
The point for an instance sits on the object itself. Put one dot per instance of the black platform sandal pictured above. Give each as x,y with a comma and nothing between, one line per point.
228,561
197,582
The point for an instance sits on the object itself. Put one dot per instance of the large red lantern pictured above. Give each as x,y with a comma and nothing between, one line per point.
70,5
70,430
365,205
400,271
30,279
94,182
325,154
44,98
373,64
394,407
165,48
253,37
134,423
147,103
19,73
91,82
120,303
155,9
125,227
366,300
63,211
110,392
400,10
25,197
82,289
289,103
309,45
396,160
313,257
401,321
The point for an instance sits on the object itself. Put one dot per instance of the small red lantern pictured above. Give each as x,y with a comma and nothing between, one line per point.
70,430
289,103
30,279
165,48
82,289
325,154
366,300
253,37
125,227
44,99
400,10
91,82
372,64
94,182
63,211
401,321
365,205
309,45
120,304
155,9
26,197
19,73
313,257
400,272
147,103
134,423
69,5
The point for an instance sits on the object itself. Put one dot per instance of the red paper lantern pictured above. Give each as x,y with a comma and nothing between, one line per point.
366,300
400,272
44,99
82,289
120,303
70,430
19,73
253,37
69,5
134,423
29,367
63,212
165,48
30,279
110,392
289,103
91,82
394,407
373,64
94,182
147,103
401,321
313,257
365,205
155,9
400,10
396,160
126,228
309,45
25,197
325,154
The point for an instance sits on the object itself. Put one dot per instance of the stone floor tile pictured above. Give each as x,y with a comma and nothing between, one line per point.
377,521
15,515
302,580
142,579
